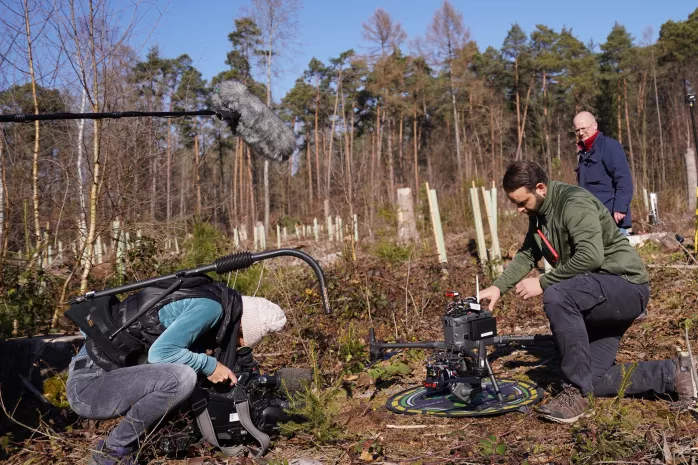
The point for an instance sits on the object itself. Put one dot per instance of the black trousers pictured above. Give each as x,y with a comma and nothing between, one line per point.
588,316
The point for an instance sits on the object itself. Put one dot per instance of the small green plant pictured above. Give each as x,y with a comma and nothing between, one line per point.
205,245
352,350
29,298
611,433
391,252
315,409
142,258
491,446
55,390
387,370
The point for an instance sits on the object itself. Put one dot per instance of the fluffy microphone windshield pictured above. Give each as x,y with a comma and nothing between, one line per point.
253,121
293,380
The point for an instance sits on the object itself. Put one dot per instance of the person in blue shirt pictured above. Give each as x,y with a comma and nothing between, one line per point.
143,394
602,169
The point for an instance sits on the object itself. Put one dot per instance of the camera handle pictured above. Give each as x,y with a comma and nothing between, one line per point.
222,265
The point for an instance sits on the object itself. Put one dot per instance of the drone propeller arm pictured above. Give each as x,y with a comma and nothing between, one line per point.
532,338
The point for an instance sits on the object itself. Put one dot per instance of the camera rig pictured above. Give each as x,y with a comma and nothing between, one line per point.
459,378
230,418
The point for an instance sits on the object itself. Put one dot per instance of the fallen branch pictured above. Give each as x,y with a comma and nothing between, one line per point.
414,426
679,267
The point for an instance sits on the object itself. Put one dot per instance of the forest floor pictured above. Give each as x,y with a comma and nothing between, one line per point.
400,293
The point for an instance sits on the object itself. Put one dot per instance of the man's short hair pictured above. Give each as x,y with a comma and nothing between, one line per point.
523,174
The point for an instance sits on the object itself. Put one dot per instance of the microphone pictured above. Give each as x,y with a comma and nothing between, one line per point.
291,380
253,121
294,380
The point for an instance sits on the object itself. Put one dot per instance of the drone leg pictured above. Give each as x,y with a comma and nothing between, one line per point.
500,397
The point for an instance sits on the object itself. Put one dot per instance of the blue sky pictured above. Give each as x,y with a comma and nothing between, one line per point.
327,27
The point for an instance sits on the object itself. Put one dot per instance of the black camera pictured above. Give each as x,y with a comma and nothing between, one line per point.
268,397
466,322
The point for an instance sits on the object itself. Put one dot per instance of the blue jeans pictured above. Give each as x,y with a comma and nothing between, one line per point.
588,316
142,395
624,231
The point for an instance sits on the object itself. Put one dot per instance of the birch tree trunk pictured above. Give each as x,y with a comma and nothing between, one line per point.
82,215
35,157
94,188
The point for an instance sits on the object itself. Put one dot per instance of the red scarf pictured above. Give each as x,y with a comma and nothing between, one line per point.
586,145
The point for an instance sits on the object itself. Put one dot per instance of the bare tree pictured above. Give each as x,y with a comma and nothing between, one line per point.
383,31
35,153
279,24
447,34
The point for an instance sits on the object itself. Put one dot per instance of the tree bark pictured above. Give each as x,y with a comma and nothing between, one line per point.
691,178
519,136
317,140
35,157
197,171
456,125
82,219
328,179
391,169
416,159
630,139
620,126
310,179
522,132
94,189
659,120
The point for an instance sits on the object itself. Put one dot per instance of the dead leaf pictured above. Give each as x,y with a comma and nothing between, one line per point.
366,456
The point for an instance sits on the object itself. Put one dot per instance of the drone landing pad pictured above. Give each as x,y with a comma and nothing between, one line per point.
518,395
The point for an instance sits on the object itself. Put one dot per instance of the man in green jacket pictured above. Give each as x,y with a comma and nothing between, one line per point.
597,288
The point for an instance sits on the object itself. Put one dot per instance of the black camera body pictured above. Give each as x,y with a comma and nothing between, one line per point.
266,394
466,322
466,326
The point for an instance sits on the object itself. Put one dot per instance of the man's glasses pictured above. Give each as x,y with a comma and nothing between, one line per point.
578,130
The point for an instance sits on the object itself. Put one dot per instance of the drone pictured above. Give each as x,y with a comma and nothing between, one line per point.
459,378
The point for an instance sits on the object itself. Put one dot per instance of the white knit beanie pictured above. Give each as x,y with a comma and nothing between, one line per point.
260,317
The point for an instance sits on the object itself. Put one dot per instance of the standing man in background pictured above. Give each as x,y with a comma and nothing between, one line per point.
602,169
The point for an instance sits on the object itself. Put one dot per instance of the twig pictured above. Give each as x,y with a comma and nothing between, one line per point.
34,430
415,426
276,354
678,267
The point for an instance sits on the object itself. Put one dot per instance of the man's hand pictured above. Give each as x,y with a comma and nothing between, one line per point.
618,217
492,294
528,288
222,374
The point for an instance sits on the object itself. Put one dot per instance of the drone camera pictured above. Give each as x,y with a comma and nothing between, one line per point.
466,321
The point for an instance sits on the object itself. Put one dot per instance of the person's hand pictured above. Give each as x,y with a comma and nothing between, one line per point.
618,217
223,374
528,288
492,294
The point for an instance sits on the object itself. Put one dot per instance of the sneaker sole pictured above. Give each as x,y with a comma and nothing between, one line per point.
563,420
